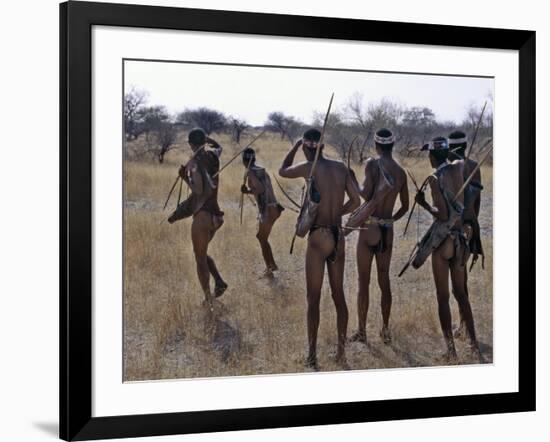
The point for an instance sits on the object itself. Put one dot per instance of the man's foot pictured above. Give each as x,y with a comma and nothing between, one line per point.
460,332
358,336
311,362
267,274
475,352
340,358
220,288
450,355
385,334
208,305
273,267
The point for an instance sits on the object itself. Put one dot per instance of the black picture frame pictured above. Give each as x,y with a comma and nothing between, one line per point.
76,21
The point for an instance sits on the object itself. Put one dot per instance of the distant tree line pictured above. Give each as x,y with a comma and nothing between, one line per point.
358,120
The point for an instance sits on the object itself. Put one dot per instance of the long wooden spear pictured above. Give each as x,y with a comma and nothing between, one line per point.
477,129
317,151
171,190
244,182
238,153
472,174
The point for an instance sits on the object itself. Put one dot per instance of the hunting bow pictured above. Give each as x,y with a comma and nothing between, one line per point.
350,149
178,178
285,193
419,189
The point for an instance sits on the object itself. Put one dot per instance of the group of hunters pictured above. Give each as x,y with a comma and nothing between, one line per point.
332,191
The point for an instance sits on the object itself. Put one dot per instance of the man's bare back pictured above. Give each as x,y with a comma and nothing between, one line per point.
384,209
376,234
331,178
326,244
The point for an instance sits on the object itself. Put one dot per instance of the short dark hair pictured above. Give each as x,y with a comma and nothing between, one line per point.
456,135
312,134
384,133
249,153
440,154
197,137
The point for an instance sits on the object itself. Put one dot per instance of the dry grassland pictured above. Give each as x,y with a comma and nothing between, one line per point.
259,325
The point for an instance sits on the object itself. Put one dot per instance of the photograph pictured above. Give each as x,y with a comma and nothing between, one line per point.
296,219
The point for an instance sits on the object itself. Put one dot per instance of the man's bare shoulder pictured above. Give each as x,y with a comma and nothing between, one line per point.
257,168
370,164
453,172
339,164
400,169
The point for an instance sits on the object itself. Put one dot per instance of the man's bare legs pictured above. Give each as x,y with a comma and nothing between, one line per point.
367,239
460,332
320,245
440,268
336,281
458,278
383,260
445,260
202,232
364,265
264,230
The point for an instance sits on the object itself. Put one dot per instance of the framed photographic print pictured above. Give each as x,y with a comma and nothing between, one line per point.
273,220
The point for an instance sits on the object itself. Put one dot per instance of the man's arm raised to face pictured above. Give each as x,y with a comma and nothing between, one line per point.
369,183
300,170
404,200
354,200
214,146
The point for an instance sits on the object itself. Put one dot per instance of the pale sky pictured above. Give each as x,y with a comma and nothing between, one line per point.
253,92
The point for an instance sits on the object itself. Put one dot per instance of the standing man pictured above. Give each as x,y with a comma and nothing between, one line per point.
325,243
451,253
259,185
472,204
376,236
199,173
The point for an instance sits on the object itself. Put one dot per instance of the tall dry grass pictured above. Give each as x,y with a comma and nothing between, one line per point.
259,325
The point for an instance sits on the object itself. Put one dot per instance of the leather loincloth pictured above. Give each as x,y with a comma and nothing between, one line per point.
335,231
384,225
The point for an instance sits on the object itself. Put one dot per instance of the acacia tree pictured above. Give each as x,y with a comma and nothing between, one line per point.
284,125
134,100
417,126
207,119
238,127
166,135
338,133
152,117
368,118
